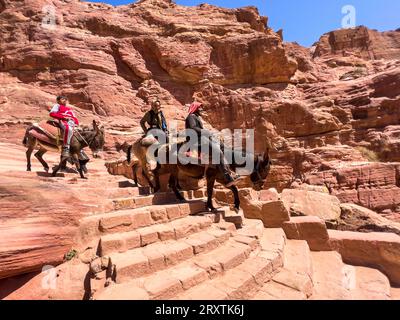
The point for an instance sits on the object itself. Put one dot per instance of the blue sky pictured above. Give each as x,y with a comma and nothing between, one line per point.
305,21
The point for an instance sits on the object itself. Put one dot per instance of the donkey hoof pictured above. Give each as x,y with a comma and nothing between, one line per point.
237,210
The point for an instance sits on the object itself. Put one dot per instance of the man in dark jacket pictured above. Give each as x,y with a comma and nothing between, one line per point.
154,118
155,128
193,122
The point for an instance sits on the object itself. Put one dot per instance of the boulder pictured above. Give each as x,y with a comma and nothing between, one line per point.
269,195
272,213
311,203
357,218
309,228
69,281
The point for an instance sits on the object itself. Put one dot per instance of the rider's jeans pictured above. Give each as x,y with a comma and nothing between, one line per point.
68,129
214,148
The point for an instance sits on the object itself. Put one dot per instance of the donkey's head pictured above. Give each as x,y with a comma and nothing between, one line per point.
262,166
95,138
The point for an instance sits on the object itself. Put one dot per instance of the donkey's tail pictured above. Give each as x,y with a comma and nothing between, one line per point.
128,154
25,140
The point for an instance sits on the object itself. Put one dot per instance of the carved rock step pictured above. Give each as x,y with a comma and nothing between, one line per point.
236,283
252,228
129,220
297,257
174,230
309,228
276,291
157,256
335,280
369,284
272,244
331,277
245,280
293,281
145,200
174,280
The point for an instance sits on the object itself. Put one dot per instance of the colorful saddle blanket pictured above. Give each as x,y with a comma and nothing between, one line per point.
48,132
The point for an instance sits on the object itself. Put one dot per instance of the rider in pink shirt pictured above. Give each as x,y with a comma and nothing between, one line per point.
67,121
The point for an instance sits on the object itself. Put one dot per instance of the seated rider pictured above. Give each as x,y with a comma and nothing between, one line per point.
155,119
193,121
67,122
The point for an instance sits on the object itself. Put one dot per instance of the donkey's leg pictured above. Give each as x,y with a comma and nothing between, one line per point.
75,160
173,184
235,192
210,189
148,178
30,143
63,167
28,157
39,156
157,181
57,168
134,172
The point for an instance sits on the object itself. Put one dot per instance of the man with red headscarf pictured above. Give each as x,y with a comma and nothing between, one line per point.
193,122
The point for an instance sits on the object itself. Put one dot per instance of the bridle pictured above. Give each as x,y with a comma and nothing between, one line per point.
84,140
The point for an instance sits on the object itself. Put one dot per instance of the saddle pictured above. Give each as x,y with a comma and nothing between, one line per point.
194,156
47,131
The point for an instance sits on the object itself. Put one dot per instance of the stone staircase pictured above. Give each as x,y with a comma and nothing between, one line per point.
151,247
135,245
180,251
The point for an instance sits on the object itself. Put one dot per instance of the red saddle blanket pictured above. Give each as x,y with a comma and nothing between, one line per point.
47,131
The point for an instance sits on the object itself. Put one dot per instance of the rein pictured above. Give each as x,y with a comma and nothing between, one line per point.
84,140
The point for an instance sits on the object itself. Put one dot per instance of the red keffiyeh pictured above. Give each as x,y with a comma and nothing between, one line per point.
194,107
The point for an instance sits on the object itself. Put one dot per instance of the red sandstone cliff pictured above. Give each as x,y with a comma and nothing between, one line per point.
317,106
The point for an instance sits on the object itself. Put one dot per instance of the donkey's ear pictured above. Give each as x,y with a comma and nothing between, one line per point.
95,127
266,155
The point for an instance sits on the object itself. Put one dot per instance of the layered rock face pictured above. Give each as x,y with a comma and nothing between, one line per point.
104,58
365,43
328,112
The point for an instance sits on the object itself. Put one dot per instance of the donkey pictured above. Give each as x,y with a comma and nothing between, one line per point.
262,164
92,138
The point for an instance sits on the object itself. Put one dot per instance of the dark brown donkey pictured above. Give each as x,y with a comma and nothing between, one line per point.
92,138
262,164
